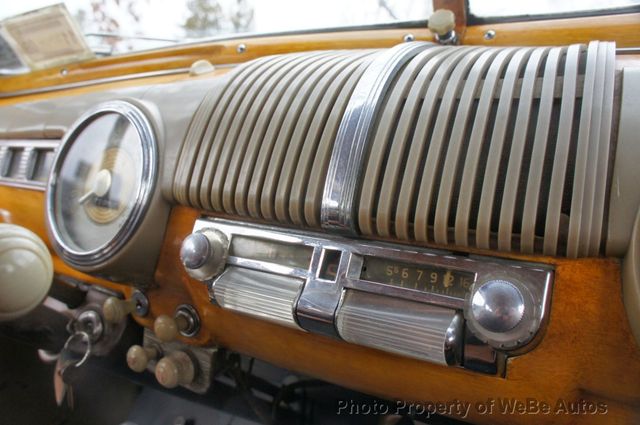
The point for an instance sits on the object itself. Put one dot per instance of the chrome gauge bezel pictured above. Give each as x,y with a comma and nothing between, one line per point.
95,258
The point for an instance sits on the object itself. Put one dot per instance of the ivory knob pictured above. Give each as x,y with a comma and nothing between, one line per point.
175,369
26,271
138,357
115,310
166,328
442,21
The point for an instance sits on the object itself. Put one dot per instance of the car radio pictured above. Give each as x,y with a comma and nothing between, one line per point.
448,308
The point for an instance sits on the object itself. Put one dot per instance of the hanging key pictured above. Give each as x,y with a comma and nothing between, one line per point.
74,354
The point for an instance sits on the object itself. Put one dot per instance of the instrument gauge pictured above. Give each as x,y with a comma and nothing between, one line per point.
101,184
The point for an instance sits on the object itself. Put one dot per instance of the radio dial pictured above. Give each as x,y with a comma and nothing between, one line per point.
204,253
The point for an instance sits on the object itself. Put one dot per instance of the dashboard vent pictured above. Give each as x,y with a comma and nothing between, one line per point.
260,142
494,148
26,163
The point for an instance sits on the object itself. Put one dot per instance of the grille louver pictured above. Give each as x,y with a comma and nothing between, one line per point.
260,142
495,148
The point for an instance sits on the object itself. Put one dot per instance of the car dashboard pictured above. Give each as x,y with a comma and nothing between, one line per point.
409,219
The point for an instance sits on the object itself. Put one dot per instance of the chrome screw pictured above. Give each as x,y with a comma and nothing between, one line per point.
489,35
409,37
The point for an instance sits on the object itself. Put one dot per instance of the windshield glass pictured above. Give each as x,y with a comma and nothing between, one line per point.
501,8
118,26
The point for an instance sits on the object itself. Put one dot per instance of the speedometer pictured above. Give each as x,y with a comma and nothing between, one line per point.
101,184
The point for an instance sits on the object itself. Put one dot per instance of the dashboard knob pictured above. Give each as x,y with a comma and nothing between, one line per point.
139,357
204,253
498,305
26,271
175,369
115,310
185,322
442,21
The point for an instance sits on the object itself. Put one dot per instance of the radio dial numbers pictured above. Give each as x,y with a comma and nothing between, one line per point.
435,280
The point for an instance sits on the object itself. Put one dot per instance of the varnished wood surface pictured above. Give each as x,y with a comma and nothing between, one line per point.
623,29
588,351
217,52
92,88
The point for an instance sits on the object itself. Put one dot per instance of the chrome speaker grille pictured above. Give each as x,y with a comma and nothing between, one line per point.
260,142
494,148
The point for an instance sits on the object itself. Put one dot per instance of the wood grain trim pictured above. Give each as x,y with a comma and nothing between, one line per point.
218,52
588,351
623,29
164,79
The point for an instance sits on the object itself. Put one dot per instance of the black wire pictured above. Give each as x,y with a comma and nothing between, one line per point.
287,390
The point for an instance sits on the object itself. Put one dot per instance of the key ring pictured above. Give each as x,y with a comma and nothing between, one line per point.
84,337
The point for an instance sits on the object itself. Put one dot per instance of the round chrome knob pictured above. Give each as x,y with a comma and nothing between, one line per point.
195,251
498,306
175,369
204,253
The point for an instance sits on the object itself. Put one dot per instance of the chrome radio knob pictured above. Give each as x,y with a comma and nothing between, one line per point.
502,312
498,306
204,253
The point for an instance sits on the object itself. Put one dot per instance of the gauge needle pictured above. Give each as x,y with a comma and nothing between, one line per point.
100,187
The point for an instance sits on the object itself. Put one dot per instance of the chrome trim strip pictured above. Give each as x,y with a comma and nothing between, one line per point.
67,86
26,143
345,167
627,50
24,184
92,259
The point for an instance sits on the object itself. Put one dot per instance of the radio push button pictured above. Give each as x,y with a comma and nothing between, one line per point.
204,253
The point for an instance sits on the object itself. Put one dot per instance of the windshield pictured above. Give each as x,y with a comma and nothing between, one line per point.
117,26
491,8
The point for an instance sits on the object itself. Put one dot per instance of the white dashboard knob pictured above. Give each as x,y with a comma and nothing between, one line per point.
442,21
26,271
175,369
138,357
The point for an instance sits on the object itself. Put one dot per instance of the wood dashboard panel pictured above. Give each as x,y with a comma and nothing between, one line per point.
587,353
